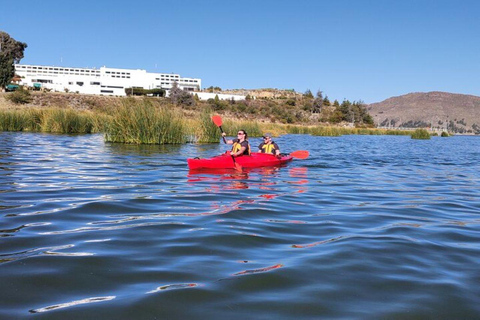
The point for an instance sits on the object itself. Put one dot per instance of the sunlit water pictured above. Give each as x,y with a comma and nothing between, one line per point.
366,227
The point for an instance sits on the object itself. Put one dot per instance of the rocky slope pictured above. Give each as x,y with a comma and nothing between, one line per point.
457,113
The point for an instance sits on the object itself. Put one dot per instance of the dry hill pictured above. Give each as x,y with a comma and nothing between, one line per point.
267,93
457,113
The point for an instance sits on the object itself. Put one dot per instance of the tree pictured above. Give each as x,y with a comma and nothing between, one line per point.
11,52
212,89
308,94
179,96
318,103
326,102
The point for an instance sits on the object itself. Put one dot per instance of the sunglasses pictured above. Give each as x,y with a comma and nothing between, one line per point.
240,134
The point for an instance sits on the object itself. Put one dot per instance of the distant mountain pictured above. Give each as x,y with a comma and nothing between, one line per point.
458,113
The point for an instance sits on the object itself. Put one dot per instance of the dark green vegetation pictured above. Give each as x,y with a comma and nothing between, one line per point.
135,91
11,52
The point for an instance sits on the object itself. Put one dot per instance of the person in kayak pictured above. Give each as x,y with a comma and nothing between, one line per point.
240,147
269,146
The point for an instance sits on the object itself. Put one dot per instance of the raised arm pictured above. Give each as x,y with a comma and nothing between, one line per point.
227,141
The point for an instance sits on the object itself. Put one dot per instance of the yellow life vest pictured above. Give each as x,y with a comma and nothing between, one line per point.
237,146
268,148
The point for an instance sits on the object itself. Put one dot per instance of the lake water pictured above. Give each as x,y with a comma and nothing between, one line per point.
368,227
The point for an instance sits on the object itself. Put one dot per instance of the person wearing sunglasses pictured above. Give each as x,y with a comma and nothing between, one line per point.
269,146
240,147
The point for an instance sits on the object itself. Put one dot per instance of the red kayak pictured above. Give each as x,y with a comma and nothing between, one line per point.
225,161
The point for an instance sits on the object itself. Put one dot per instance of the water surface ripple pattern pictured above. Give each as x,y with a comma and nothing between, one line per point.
366,227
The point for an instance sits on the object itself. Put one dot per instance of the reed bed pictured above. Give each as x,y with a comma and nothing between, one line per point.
140,122
420,134
143,121
53,120
65,121
12,120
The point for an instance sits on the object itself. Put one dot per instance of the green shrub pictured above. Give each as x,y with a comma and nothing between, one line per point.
20,96
445,134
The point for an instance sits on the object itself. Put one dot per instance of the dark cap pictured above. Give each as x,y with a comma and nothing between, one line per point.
267,135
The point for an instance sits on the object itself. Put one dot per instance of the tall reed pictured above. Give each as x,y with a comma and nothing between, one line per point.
207,131
12,120
55,120
140,122
58,120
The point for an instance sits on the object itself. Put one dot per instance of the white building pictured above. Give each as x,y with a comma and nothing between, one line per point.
103,81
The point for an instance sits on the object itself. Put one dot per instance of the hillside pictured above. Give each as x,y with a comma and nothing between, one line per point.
457,113
267,93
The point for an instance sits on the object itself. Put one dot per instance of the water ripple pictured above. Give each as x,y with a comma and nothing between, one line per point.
366,227
72,304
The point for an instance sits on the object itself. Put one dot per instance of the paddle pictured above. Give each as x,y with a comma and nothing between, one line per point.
218,122
300,154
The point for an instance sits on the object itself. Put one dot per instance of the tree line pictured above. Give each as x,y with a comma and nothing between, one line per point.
11,52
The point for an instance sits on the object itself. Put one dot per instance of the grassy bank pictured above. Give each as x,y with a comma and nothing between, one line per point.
149,121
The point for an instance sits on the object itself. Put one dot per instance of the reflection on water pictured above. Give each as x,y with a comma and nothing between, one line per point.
73,303
366,227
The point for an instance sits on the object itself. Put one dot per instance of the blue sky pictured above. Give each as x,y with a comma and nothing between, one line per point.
355,50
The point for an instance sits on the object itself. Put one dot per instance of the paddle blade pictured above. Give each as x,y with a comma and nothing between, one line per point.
217,120
300,154
236,165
